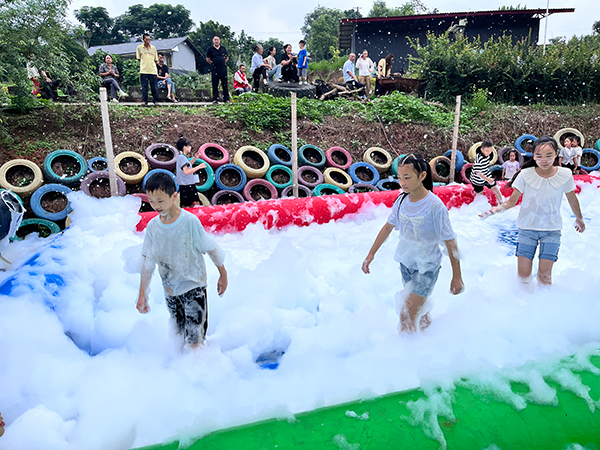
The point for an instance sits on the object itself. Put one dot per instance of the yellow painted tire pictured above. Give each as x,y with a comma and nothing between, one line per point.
568,132
473,152
238,160
368,157
131,179
204,201
333,175
23,191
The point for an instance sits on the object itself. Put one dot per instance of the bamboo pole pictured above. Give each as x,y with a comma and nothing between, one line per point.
455,139
110,158
294,148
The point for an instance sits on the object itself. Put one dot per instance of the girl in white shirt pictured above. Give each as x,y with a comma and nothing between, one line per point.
423,222
542,184
365,67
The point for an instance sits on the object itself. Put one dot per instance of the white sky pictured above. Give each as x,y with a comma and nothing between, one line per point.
271,19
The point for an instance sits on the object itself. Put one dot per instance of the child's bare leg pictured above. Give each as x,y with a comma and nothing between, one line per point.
524,268
409,313
544,274
498,194
424,321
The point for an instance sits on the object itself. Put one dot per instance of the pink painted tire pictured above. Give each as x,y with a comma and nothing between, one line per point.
310,176
164,151
90,178
338,153
259,187
463,173
226,197
215,155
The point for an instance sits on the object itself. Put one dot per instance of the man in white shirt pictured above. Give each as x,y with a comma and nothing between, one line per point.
349,76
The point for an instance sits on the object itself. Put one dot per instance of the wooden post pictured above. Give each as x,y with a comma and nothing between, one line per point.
110,158
455,139
294,148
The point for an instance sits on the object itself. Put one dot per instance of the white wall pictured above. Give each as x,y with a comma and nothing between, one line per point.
184,58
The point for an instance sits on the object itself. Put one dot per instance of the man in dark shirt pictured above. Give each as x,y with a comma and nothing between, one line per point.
217,57
164,78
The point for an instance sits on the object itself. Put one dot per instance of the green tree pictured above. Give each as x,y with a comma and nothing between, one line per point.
98,24
245,49
352,14
596,27
273,42
202,39
320,29
159,20
409,8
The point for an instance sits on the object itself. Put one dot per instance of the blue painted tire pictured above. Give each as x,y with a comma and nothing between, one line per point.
362,187
45,223
227,197
519,144
496,168
153,171
595,153
303,191
460,160
229,168
388,185
307,153
363,167
208,173
36,202
71,181
97,159
280,155
279,168
326,189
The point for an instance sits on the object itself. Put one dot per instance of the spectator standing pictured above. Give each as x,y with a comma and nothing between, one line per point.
302,63
384,70
349,75
365,67
217,57
258,67
148,57
164,78
274,73
240,83
109,74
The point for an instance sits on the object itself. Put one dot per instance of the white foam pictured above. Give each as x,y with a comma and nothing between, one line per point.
300,290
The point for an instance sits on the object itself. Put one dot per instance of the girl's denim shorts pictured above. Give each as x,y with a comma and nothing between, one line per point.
528,240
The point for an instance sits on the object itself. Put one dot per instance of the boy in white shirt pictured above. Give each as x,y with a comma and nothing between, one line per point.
176,240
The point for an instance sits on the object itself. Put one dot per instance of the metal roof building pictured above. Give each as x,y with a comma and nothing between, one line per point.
383,35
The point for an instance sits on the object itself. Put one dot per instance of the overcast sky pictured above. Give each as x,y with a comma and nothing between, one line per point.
271,18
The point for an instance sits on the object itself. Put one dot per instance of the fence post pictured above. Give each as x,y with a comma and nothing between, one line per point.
294,147
110,158
454,139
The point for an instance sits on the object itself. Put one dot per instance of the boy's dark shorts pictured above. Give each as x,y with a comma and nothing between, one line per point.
188,195
190,314
479,188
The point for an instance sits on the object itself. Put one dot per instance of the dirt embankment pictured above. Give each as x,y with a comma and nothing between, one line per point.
34,135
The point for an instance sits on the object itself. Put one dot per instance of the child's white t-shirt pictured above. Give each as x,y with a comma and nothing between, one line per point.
423,225
568,155
177,248
511,167
542,197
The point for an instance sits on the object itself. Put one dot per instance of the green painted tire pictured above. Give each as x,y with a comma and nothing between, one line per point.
279,168
395,163
75,158
598,145
326,189
43,224
207,173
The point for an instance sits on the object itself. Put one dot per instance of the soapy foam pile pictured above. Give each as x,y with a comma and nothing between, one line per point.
81,368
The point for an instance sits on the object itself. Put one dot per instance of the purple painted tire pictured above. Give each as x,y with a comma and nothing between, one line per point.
310,173
255,185
164,150
362,187
212,158
505,151
227,197
303,191
338,152
90,178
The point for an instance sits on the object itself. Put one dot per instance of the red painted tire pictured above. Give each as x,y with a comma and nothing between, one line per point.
465,173
226,197
259,187
88,180
214,155
310,176
303,191
336,156
166,154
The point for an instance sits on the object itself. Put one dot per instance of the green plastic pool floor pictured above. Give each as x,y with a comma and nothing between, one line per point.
478,423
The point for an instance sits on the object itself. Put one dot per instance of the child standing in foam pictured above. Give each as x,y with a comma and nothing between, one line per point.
423,222
480,174
576,144
542,184
175,241
510,167
567,156
186,174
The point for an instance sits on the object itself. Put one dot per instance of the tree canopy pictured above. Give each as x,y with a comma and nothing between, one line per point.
409,8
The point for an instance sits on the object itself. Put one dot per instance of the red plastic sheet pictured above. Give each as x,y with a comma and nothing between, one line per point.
305,211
